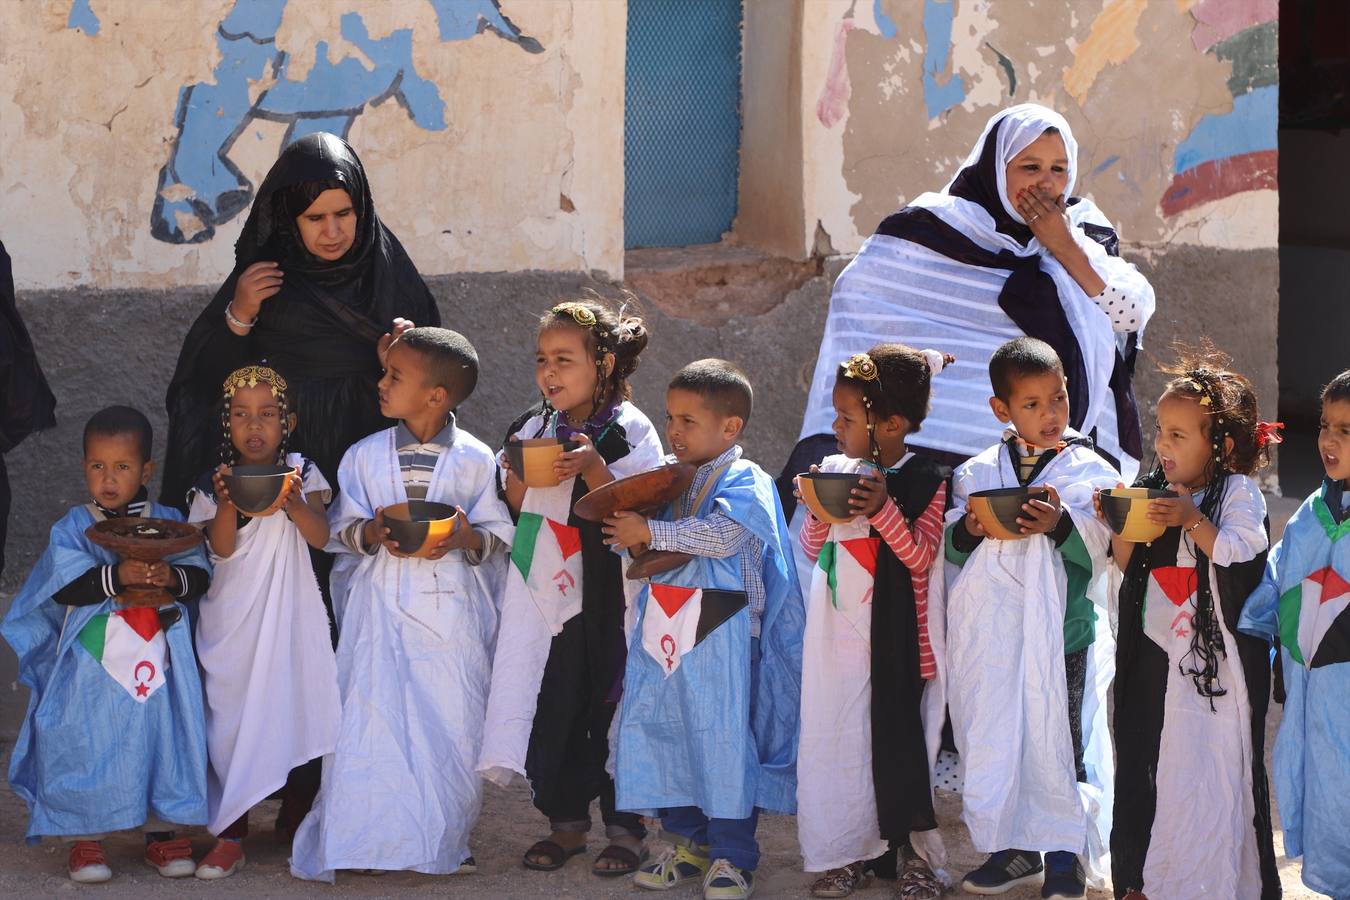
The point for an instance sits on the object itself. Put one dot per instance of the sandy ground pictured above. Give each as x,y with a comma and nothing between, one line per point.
508,825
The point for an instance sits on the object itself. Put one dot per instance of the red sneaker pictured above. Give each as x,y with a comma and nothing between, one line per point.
172,859
87,864
225,858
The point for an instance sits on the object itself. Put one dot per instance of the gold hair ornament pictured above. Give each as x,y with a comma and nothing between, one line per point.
252,376
861,367
580,313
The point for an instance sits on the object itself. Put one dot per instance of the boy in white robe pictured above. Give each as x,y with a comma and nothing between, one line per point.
415,633
1020,635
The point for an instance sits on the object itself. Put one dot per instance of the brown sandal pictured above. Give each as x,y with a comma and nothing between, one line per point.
918,881
618,853
558,857
841,882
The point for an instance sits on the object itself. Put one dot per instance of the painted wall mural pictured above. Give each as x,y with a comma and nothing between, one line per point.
1175,103
200,187
1232,152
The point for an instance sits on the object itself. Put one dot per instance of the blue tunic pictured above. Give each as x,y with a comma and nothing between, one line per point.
1304,599
711,734
91,758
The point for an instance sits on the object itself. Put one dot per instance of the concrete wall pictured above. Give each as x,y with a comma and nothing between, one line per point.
491,129
135,131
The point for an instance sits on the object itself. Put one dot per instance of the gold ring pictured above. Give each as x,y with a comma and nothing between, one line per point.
1033,218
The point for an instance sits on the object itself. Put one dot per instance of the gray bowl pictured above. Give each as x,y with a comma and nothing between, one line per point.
255,488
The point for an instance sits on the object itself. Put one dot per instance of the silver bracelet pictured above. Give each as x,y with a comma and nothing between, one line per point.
229,317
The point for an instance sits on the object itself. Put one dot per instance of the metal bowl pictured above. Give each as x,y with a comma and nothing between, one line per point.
419,525
253,489
1126,511
827,494
532,459
998,509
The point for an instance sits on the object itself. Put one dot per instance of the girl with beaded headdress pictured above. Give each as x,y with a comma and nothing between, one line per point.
1192,811
560,656
268,669
869,657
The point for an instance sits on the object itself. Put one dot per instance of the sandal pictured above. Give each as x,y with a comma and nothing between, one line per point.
918,881
553,850
841,882
620,854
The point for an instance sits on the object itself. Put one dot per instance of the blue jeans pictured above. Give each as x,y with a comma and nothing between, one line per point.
729,839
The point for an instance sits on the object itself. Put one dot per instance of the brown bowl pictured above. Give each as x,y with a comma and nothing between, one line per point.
419,525
147,540
532,459
645,492
1126,511
998,509
253,489
827,494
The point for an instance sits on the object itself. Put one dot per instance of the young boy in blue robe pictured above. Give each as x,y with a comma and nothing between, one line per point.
708,723
114,736
1303,603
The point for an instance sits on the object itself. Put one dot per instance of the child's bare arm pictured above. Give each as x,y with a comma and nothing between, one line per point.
223,530
308,514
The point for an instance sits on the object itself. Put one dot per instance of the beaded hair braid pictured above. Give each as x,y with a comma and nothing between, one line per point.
861,371
252,376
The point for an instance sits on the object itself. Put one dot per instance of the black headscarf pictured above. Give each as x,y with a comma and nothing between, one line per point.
319,330
26,402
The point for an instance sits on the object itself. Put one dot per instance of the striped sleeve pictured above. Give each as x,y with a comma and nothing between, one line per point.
813,535
915,548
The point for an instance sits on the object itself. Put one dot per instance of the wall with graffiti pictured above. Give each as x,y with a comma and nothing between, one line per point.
1174,104
137,130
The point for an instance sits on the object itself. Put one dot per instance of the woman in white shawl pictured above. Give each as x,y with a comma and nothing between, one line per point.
1004,250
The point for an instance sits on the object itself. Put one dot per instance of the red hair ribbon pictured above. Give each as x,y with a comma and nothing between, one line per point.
1269,433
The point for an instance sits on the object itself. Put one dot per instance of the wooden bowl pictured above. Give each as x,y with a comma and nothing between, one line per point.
254,489
419,525
645,492
827,494
998,509
1126,511
147,540
532,459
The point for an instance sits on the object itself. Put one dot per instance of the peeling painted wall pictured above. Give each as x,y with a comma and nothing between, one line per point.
1174,104
491,129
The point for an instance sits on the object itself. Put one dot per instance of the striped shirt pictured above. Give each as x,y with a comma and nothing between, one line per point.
417,461
716,535
915,546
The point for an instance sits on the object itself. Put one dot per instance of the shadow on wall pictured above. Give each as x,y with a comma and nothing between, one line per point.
199,187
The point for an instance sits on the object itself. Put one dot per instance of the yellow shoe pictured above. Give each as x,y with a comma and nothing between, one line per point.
675,866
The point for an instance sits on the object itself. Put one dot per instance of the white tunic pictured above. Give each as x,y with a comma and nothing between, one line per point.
414,659
1203,843
1006,682
268,670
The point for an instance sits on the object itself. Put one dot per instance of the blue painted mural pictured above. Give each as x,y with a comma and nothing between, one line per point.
199,187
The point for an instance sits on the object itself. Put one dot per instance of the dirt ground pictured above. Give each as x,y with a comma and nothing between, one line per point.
507,826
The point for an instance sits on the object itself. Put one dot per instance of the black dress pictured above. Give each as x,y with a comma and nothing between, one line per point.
319,331
569,743
899,751
26,402
1141,685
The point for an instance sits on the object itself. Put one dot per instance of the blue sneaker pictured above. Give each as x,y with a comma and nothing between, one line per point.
1064,877
1003,871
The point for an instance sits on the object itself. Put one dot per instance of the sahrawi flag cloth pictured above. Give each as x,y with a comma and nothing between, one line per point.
130,646
1302,600
545,590
115,731
681,617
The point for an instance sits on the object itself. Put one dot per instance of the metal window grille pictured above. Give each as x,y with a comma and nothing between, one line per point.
682,121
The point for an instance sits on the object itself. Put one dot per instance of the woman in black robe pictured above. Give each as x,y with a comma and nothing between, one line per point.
318,287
